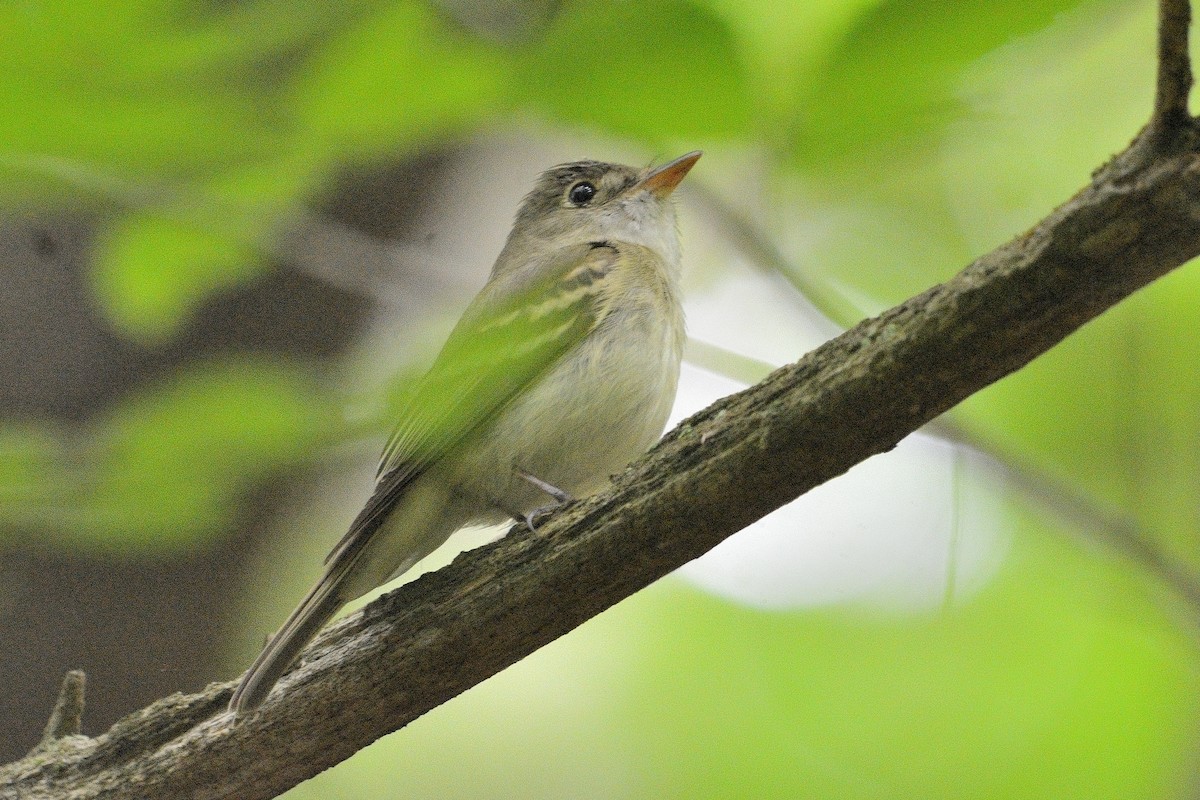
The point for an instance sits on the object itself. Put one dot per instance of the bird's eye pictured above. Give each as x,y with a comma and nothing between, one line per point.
581,193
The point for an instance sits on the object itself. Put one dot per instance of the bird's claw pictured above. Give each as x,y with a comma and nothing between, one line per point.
531,518
560,497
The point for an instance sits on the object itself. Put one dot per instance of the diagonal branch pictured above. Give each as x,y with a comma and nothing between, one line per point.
855,396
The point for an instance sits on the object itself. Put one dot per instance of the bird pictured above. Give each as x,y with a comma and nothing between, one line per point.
561,370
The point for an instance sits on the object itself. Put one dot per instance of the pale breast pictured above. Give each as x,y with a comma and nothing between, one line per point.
598,408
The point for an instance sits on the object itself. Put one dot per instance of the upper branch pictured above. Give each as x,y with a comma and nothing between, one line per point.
1174,65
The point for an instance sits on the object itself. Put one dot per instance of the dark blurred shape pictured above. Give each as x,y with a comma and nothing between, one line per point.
141,629
506,21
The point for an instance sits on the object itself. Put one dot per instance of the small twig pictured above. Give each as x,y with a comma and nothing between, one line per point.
1174,65
67,717
826,307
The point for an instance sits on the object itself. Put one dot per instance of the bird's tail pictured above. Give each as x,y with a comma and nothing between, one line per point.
321,603
386,539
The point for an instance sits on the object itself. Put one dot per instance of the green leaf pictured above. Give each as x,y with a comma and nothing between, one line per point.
168,467
891,80
399,75
662,71
154,267
779,41
106,86
150,272
31,473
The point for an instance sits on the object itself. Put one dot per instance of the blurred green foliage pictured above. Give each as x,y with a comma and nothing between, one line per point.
897,140
890,80
175,456
618,67
165,468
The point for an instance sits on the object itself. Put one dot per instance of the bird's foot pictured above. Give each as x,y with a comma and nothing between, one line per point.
559,495
532,518
561,498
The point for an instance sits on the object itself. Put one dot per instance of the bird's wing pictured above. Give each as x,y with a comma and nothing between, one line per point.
499,347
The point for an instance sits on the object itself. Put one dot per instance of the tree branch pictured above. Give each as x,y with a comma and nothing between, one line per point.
1174,66
855,396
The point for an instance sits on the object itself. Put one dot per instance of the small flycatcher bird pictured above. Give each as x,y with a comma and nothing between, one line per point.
561,371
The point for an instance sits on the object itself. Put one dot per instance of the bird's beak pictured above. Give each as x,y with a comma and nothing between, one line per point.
661,181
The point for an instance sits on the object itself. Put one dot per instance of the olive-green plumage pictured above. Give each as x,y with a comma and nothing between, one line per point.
561,370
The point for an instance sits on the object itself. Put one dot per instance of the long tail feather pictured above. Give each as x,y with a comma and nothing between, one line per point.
369,554
321,603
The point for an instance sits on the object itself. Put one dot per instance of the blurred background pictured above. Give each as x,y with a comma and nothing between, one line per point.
230,230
